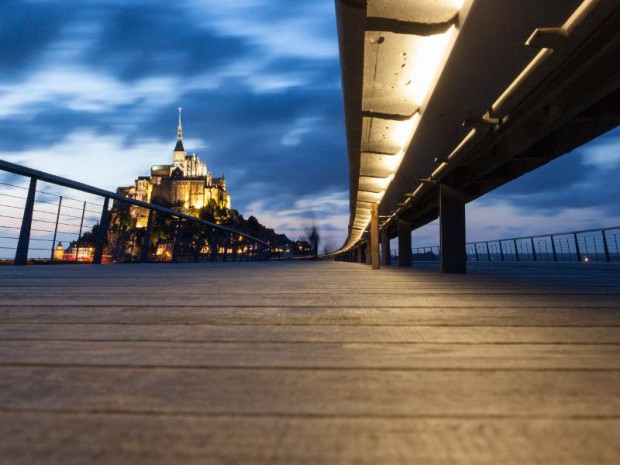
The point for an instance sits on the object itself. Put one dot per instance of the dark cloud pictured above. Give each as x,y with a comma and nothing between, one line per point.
26,30
140,40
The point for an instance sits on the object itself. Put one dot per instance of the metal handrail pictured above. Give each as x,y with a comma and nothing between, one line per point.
481,251
34,175
64,182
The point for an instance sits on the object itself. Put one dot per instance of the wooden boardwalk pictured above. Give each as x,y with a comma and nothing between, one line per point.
309,363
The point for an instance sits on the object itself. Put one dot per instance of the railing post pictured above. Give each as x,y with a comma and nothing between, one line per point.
226,240
534,257
553,251
102,232
21,254
144,252
214,246
177,239
605,247
476,251
198,246
577,247
56,228
514,241
77,247
488,252
501,251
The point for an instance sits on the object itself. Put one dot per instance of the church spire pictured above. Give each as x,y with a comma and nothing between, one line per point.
179,147
180,130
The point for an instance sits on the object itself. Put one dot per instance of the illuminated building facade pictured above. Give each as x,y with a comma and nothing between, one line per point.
185,183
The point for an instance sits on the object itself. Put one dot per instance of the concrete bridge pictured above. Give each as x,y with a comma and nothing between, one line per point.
328,362
446,100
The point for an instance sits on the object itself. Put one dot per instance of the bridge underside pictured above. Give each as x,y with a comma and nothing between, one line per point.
467,94
297,363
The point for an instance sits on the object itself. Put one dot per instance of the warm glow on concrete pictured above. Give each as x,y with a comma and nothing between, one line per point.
399,73
415,11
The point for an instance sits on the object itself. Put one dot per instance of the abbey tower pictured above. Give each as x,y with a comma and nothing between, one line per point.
186,183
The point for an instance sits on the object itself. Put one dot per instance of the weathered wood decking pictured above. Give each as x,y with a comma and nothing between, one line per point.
309,363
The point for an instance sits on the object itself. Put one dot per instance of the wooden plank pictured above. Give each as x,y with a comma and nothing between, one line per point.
307,355
311,299
187,440
325,316
328,393
309,333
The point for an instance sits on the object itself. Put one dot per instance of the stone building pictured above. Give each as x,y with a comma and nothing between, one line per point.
186,183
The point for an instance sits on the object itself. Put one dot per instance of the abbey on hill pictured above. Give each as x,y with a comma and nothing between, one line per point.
186,183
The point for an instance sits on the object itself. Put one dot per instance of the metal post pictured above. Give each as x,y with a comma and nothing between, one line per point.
577,247
118,239
553,251
404,243
21,254
501,251
374,236
385,247
133,245
77,247
533,249
198,246
516,250
595,249
488,253
226,240
177,239
102,232
214,246
476,251
146,243
56,227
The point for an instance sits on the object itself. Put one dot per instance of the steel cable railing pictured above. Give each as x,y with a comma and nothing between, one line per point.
591,245
106,227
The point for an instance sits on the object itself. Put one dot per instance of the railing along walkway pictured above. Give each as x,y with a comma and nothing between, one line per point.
590,245
33,220
309,363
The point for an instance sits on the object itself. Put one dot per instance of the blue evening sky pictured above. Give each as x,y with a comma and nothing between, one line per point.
89,90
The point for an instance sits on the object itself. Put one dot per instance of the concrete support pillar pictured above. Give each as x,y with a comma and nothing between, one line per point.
404,243
367,256
385,247
452,230
374,236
